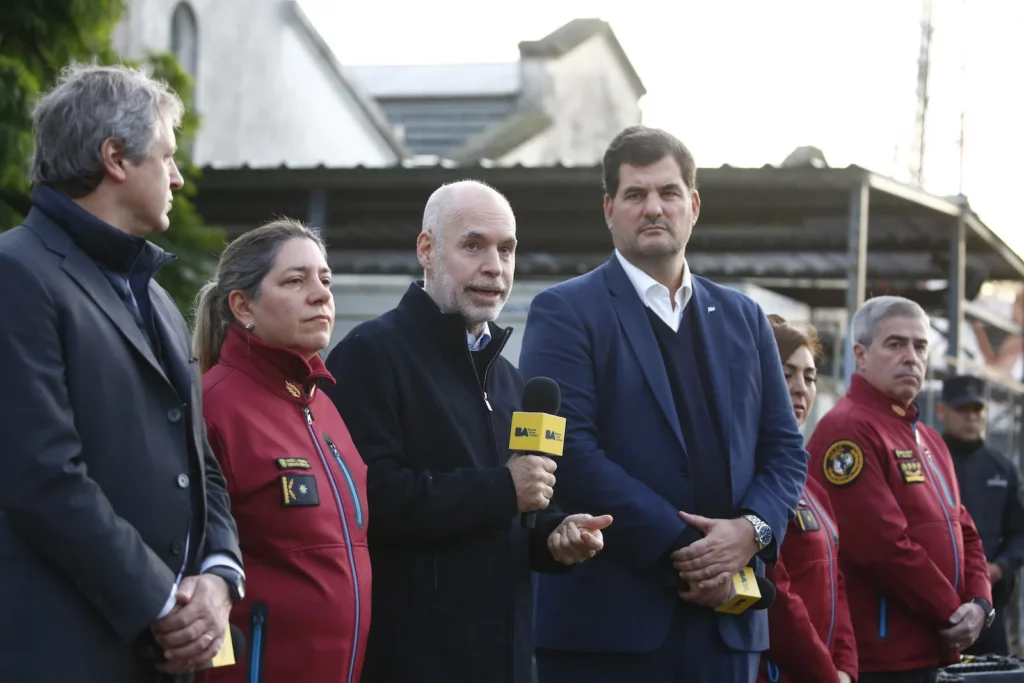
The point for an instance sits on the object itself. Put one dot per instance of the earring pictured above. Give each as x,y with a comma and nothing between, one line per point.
248,327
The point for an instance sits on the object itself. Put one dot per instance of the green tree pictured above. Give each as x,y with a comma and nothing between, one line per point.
37,39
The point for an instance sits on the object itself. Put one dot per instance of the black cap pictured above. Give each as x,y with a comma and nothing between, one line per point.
962,390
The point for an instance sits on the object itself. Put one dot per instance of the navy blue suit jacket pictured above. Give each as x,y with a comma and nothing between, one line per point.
624,452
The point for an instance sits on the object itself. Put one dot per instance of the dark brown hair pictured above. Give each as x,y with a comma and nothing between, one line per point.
643,146
243,265
789,338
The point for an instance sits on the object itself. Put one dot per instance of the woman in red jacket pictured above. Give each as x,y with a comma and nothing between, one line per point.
297,483
809,626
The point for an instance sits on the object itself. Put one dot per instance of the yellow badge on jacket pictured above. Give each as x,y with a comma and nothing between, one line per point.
843,462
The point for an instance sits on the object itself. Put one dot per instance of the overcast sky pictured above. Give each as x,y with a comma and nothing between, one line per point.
744,82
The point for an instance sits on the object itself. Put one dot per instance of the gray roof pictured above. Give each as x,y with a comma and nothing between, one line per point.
468,112
355,90
439,80
747,214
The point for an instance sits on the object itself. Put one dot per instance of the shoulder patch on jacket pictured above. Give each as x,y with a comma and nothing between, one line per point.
843,462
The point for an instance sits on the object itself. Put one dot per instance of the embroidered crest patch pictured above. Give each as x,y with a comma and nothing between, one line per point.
843,462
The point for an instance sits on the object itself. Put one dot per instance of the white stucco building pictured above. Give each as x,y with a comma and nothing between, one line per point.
563,101
268,88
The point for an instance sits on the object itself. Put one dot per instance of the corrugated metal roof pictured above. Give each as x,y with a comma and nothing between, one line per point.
442,126
903,218
439,80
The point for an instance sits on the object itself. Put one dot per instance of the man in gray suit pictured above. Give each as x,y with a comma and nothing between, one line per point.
119,558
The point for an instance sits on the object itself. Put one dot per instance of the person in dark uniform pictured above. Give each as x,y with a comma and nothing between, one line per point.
990,489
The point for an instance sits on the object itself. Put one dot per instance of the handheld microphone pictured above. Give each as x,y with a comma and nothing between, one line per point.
749,592
231,651
537,429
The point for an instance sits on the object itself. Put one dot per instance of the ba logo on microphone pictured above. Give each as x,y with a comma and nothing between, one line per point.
552,435
525,431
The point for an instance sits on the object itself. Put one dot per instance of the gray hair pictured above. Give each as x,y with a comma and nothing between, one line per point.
870,315
89,105
242,266
441,202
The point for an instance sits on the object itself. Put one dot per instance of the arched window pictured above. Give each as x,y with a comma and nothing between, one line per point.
185,38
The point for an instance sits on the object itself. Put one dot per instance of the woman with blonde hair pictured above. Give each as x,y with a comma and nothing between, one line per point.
296,481
809,629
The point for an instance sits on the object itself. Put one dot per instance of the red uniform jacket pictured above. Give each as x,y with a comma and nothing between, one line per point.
809,623
911,554
298,494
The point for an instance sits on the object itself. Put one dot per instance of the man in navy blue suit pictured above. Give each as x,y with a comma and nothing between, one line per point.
679,424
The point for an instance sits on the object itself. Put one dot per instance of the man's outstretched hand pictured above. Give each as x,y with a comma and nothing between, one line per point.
578,538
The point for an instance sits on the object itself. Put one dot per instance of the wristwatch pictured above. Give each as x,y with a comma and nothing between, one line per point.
235,581
762,532
989,610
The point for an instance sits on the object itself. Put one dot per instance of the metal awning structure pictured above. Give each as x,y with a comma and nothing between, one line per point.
827,237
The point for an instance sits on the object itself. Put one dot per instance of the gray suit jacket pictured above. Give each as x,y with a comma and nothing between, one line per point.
96,499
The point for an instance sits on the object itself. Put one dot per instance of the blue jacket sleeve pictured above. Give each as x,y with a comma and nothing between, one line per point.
557,345
780,458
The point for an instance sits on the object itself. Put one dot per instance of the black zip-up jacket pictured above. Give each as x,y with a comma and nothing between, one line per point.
991,492
451,561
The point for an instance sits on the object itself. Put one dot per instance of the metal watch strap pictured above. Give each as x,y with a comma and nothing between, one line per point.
762,532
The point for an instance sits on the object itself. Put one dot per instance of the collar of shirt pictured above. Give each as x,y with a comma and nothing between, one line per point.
474,343
478,343
654,294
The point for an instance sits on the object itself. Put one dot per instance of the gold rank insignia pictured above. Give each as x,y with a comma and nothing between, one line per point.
899,411
843,462
292,389
911,472
903,453
299,489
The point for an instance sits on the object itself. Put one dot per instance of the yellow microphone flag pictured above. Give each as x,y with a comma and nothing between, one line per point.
537,433
744,592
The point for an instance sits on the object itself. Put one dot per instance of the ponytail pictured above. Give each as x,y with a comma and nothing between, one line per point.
211,329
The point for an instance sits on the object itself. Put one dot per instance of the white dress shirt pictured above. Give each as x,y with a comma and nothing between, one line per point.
478,344
656,295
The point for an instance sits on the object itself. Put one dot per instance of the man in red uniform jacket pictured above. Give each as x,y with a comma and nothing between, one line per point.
915,569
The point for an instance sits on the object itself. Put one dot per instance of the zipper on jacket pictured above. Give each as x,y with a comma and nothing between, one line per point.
831,564
483,387
258,640
349,479
497,456
348,538
883,618
933,468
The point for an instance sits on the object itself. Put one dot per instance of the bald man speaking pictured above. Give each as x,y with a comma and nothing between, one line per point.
429,399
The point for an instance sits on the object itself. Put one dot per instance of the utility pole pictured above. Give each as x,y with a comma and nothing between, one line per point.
965,91
923,59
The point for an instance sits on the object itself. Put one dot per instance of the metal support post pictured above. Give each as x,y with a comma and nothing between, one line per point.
856,266
955,305
316,212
